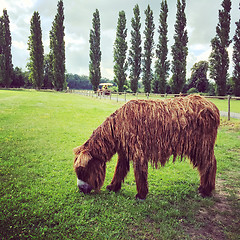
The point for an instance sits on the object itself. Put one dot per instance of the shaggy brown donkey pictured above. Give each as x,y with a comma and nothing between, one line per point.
146,130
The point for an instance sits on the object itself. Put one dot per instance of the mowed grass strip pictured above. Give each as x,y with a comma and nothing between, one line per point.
39,197
221,103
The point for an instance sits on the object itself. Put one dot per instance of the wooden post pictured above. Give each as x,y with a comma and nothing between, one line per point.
229,97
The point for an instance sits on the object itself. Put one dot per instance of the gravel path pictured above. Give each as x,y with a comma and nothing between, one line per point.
232,114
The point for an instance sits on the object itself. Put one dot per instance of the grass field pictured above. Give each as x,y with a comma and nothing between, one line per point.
39,198
221,103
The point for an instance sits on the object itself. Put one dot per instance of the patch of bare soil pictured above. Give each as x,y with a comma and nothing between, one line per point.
231,125
218,222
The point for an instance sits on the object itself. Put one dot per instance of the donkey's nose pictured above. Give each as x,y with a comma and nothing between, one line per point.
84,187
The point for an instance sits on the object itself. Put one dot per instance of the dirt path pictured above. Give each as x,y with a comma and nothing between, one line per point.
220,221
232,114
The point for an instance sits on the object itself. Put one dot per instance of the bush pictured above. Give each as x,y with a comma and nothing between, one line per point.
192,90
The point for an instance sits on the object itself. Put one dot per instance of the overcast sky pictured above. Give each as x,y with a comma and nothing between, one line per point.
202,18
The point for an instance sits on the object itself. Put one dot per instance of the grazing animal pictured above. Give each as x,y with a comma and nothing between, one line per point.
145,131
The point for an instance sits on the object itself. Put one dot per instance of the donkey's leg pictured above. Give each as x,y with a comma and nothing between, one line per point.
207,178
141,174
121,171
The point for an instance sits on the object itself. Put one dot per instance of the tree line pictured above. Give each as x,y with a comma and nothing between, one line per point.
139,62
44,71
48,71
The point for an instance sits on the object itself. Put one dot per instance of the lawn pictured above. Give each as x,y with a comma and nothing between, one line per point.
39,198
221,103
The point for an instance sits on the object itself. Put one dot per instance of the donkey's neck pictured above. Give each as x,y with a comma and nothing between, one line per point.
102,143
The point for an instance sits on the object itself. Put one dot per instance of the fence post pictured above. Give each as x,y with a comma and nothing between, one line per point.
229,97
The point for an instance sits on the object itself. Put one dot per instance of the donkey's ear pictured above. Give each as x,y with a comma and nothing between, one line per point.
82,159
77,150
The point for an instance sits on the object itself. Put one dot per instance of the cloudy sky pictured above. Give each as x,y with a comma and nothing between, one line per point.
202,18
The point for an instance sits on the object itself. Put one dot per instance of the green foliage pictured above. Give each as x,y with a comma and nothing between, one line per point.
148,48
211,89
236,60
179,49
219,60
57,49
135,52
48,72
19,78
39,196
2,42
192,90
75,81
198,77
95,52
35,46
6,66
120,50
162,65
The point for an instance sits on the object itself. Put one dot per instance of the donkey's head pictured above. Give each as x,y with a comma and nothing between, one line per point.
90,171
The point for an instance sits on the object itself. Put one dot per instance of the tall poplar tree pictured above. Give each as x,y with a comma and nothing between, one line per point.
35,46
179,49
148,50
162,64
95,52
48,74
120,50
6,66
57,49
236,60
135,52
219,60
198,77
2,41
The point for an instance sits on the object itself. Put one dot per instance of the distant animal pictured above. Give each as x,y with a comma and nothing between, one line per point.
145,131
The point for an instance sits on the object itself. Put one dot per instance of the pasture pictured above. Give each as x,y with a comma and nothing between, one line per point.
39,198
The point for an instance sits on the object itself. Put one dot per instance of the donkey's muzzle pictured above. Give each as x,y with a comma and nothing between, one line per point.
84,187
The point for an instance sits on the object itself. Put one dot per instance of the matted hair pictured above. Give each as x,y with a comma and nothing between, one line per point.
147,130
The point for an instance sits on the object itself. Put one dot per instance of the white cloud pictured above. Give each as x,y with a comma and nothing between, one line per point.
15,5
204,56
75,43
107,72
202,18
25,4
6,4
198,47
19,45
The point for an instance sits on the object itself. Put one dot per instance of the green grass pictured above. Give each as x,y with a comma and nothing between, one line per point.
39,198
222,104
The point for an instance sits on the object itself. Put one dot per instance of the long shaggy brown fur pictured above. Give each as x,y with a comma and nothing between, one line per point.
147,130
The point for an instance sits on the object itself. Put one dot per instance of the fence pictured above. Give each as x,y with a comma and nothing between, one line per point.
124,97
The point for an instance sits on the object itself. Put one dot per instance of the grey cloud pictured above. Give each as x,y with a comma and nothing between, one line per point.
202,17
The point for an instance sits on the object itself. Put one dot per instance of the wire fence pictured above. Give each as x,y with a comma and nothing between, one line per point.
124,97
